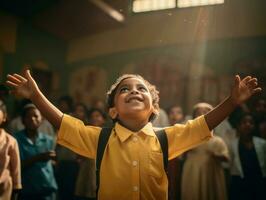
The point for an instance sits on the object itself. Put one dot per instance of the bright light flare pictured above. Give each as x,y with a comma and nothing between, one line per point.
152,5
192,3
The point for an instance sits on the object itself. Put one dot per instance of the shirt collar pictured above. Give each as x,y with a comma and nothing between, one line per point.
124,133
38,138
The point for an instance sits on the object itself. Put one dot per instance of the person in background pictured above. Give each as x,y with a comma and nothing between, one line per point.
262,129
16,123
10,174
67,168
203,174
99,104
248,162
81,112
259,113
36,154
66,104
175,116
161,119
86,181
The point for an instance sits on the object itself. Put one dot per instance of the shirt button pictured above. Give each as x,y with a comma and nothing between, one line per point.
135,139
135,188
135,163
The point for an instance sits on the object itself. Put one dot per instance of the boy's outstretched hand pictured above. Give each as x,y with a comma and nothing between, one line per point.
241,92
244,89
26,87
22,86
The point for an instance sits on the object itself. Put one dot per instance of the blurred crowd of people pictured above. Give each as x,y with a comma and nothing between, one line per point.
231,165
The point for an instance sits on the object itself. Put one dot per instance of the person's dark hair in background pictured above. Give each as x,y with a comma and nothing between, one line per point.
236,114
65,104
258,110
3,92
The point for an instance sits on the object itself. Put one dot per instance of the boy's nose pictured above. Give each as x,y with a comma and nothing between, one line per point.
134,91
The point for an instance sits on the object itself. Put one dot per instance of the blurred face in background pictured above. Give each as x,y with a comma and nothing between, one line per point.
32,119
64,107
175,115
260,110
99,104
246,126
260,106
96,118
80,112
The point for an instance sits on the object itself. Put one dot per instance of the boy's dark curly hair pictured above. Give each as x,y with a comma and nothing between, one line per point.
154,92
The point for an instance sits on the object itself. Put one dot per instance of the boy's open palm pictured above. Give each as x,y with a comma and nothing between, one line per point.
244,89
22,86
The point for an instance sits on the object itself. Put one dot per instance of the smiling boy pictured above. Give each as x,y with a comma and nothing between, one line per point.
132,164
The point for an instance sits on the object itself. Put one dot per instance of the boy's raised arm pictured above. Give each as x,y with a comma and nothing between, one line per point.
241,91
26,87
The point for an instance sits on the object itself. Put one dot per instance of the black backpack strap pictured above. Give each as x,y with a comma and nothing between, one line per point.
102,142
161,135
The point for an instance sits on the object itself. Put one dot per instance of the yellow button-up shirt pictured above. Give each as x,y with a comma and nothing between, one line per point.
132,166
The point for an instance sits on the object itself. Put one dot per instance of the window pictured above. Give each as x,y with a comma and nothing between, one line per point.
152,5
191,3
139,6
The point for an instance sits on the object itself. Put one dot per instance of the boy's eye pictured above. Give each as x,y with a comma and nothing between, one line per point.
124,89
143,89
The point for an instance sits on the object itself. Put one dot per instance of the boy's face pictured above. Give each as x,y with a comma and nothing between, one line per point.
32,119
133,99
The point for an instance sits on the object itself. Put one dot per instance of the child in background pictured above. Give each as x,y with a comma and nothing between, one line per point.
36,153
86,181
10,177
16,123
176,115
203,174
132,164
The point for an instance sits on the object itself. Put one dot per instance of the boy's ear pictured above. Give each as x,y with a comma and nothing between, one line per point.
113,113
156,110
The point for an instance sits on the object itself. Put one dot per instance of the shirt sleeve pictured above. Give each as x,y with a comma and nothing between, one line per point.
79,138
15,169
182,137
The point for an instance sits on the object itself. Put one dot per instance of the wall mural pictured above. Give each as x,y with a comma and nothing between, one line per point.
88,83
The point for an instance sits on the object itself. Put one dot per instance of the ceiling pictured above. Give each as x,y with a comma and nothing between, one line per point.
68,19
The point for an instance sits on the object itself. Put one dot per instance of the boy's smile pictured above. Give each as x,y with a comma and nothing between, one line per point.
134,98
